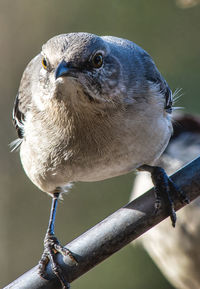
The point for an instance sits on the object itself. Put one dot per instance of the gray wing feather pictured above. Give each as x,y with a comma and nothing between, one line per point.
23,98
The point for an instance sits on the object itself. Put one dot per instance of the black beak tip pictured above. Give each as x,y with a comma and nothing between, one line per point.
62,69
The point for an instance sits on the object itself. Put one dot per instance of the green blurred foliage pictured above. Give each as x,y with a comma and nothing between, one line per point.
171,36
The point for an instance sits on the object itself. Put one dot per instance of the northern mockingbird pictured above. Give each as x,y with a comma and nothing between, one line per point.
176,253
91,108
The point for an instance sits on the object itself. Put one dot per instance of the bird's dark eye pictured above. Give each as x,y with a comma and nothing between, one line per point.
97,60
44,63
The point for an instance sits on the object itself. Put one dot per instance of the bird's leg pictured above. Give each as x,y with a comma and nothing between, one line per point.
165,189
52,246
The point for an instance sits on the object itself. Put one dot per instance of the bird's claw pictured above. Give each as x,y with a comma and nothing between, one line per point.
157,205
65,252
166,189
51,248
182,196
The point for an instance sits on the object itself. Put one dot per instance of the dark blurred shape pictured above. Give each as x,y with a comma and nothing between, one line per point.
176,251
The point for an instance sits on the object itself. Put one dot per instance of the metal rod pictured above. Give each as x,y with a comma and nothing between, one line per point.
112,234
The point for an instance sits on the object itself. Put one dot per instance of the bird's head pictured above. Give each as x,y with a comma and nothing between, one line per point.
80,67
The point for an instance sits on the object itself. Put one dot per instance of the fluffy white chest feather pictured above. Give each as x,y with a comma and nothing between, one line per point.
92,147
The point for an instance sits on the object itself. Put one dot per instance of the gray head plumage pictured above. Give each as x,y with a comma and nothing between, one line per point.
107,68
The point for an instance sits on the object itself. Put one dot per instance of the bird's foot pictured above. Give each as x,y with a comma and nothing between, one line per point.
51,248
165,190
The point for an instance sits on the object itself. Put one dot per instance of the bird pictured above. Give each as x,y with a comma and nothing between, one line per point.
90,108
176,254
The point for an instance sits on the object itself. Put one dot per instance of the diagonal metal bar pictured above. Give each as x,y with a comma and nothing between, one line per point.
112,234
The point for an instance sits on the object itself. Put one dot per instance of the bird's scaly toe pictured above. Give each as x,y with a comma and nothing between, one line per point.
182,196
51,248
166,190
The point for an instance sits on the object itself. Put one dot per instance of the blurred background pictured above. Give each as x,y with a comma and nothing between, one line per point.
169,31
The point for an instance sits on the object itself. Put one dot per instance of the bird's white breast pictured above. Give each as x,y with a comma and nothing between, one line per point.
95,149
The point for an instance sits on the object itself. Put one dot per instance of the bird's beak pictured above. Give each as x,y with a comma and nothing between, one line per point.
63,69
